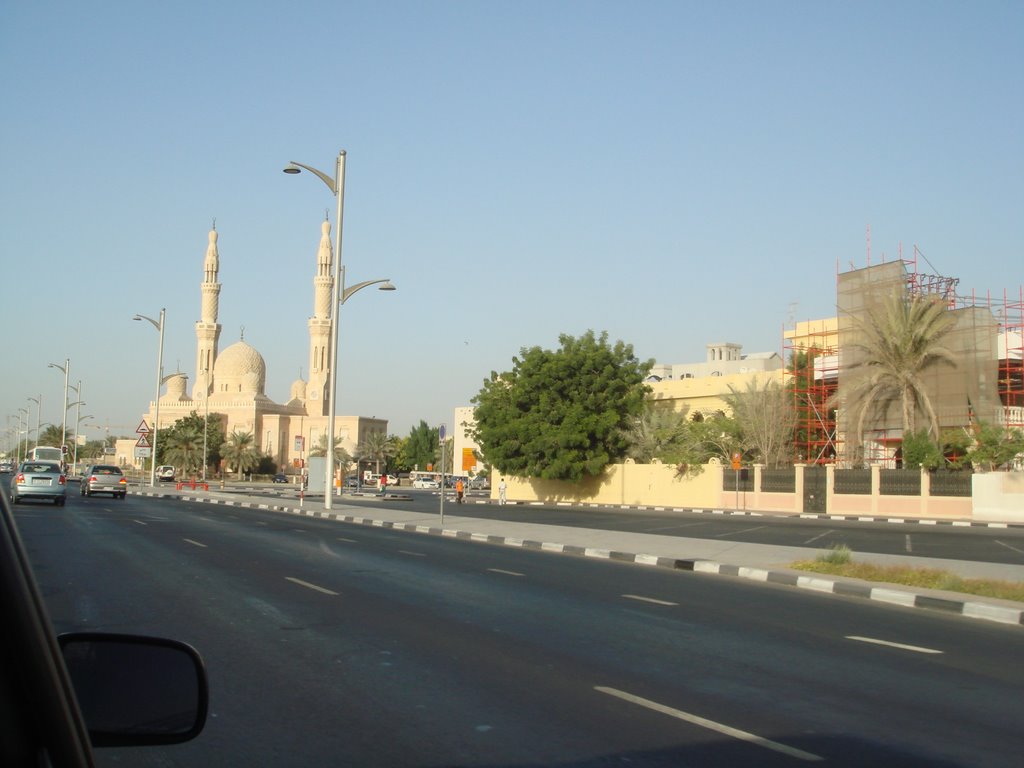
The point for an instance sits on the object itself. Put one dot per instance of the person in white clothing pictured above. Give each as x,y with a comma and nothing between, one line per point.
502,488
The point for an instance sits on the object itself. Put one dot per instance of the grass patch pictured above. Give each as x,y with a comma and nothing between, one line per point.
838,561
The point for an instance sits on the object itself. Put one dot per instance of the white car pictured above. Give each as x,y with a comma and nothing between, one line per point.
425,482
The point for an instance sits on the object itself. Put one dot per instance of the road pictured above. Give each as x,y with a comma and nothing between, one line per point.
335,644
981,544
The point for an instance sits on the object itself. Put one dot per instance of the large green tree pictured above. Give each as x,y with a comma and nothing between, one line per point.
561,414
182,444
895,344
421,446
656,432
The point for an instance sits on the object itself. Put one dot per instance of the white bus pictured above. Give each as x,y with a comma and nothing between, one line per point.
45,453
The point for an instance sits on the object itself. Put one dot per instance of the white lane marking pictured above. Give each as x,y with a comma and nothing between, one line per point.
307,585
909,547
876,641
349,541
710,724
1004,544
195,543
506,573
411,554
139,522
643,599
819,536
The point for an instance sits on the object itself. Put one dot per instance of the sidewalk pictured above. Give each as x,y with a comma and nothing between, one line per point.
759,562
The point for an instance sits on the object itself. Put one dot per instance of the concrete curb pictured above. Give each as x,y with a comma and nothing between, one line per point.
1003,612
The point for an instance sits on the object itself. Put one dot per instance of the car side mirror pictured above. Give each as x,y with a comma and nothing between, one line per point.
134,690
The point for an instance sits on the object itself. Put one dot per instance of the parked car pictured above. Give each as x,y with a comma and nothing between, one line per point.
40,480
479,483
165,473
280,478
104,478
425,482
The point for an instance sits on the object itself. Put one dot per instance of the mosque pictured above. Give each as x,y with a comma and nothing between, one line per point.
231,382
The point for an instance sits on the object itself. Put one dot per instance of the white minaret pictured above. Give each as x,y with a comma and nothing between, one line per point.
207,328
320,326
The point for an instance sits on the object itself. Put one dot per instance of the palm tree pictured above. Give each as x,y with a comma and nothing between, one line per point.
376,447
654,431
896,344
239,451
183,447
341,456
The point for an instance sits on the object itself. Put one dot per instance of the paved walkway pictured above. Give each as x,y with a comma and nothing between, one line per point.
760,562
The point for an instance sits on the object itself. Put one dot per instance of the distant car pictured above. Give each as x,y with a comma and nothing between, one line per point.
40,480
425,482
351,481
479,483
280,478
104,478
165,473
6,467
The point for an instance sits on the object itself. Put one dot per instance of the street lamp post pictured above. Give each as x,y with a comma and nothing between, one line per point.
39,407
338,297
78,426
159,325
24,454
66,368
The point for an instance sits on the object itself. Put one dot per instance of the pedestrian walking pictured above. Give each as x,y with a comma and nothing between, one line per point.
459,490
383,485
502,490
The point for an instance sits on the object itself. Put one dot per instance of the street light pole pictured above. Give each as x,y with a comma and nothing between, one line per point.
159,382
339,295
39,407
25,411
337,187
66,368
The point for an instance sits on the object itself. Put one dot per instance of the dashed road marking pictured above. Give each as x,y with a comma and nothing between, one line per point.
307,585
890,644
643,599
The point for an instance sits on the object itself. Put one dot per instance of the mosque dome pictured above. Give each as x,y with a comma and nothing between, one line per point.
240,369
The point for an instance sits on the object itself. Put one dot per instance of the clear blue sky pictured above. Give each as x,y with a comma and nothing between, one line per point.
674,173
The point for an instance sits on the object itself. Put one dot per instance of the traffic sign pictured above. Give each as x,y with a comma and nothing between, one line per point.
143,428
143,442
737,460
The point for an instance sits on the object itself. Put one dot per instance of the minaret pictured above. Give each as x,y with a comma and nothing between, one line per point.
320,326
207,328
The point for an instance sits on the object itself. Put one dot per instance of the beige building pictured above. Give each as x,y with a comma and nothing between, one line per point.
231,381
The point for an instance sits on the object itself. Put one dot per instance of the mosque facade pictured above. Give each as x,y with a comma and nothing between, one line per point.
231,381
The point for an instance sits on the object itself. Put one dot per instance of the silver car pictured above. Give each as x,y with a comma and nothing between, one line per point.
39,480
104,478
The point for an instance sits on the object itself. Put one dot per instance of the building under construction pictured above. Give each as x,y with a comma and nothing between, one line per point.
985,383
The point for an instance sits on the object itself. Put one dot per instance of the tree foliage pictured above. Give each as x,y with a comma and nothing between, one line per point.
378,448
766,417
182,443
561,414
421,447
239,451
655,432
342,458
996,447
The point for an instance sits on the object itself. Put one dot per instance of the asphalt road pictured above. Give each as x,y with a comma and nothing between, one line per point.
978,543
334,644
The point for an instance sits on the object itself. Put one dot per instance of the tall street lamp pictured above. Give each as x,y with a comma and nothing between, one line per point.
338,297
159,325
39,407
78,418
25,411
66,368
78,426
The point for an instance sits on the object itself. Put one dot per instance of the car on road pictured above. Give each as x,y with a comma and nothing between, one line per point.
43,480
104,478
425,482
165,473
479,483
279,478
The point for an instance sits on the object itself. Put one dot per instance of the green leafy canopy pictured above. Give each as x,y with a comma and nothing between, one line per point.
562,414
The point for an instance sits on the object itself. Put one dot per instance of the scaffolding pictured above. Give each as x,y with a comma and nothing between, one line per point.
986,384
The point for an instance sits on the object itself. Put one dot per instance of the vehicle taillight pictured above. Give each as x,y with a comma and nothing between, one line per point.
20,478
92,479
62,480
123,481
